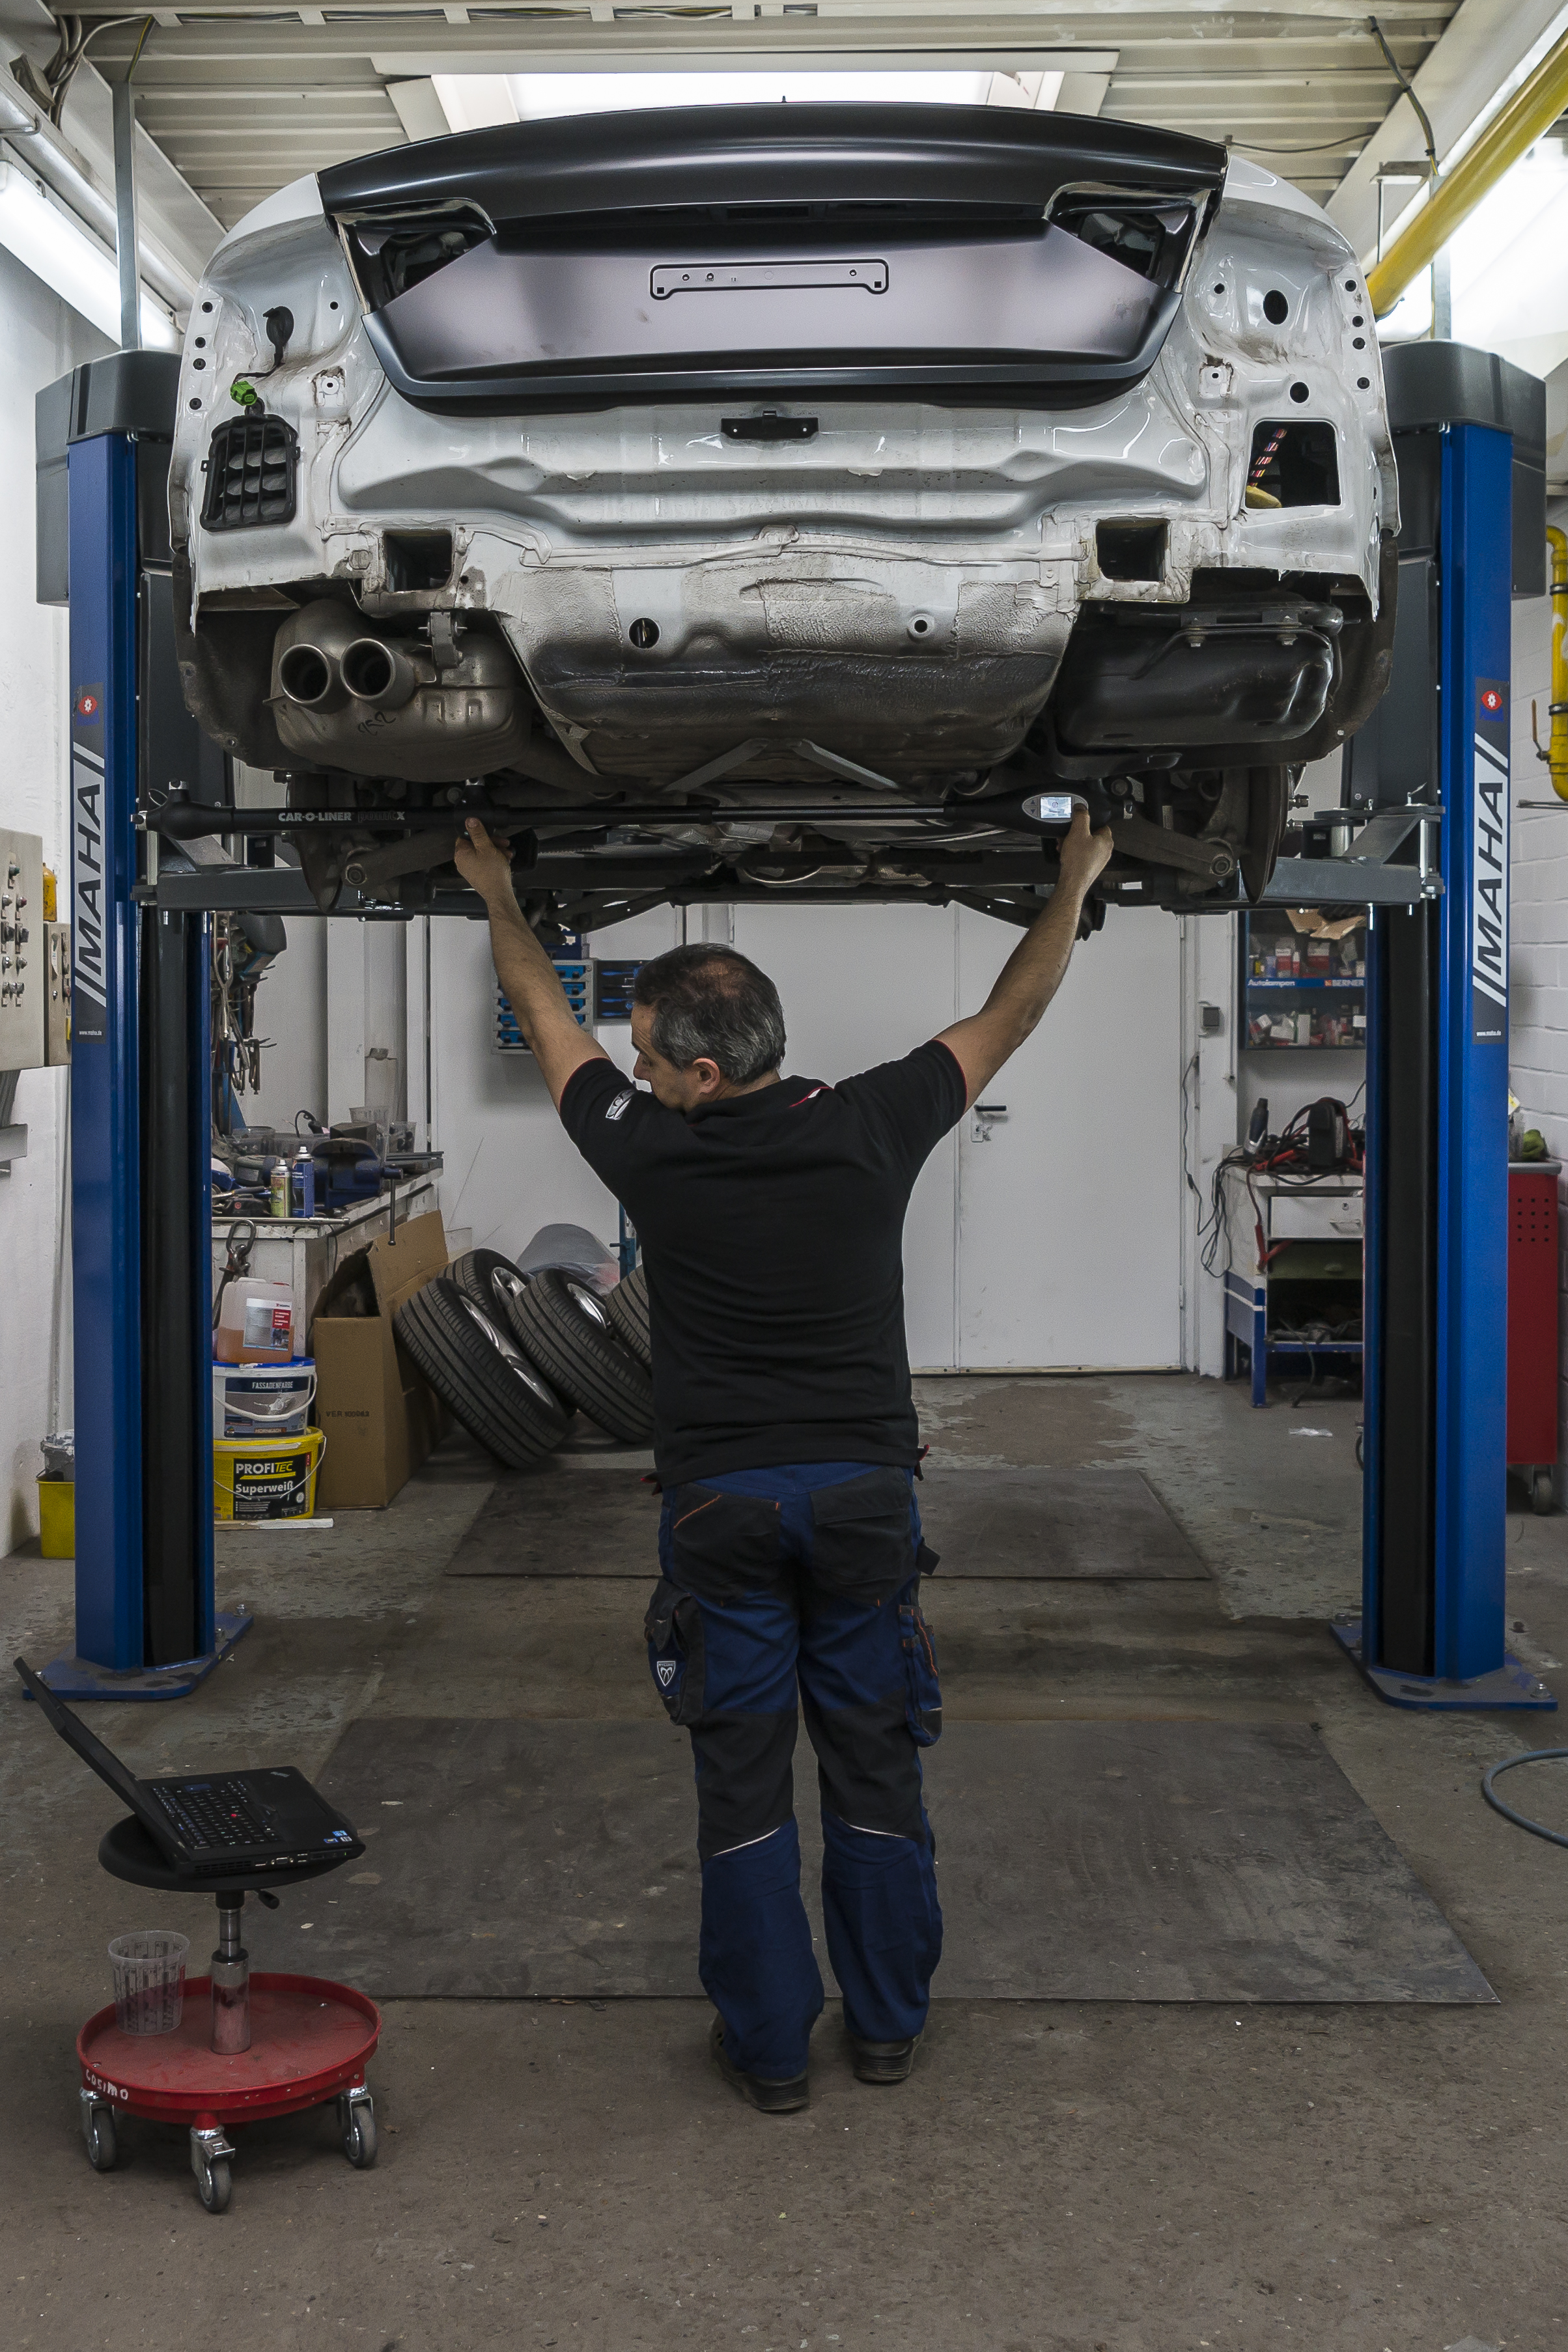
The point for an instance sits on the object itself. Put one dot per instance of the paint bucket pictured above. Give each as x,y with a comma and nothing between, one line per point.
265,1477
263,1400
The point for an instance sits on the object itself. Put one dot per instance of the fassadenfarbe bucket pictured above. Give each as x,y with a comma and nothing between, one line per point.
265,1477
263,1400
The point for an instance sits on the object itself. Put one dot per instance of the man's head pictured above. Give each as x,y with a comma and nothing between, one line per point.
706,1024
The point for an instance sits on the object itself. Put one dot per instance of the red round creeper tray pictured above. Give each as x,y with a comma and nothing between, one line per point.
310,2040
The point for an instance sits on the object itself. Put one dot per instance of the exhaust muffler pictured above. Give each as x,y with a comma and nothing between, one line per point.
346,697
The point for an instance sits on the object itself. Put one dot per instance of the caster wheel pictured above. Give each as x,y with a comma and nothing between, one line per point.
102,2148
359,2133
1542,1500
215,2185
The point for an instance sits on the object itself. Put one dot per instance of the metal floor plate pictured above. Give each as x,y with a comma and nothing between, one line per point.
559,1522
1052,1523
984,1522
1084,1861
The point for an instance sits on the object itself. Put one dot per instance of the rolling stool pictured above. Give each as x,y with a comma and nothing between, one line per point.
261,2045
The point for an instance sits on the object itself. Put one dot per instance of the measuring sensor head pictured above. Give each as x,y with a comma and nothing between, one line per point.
1053,808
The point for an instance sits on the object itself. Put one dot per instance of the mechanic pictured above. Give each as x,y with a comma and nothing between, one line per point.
770,1212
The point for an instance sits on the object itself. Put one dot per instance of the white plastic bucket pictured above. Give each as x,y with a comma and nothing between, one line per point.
263,1400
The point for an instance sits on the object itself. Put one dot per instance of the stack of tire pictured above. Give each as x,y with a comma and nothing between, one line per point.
515,1355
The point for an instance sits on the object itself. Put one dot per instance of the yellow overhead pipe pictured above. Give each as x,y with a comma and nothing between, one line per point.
1556,752
1534,108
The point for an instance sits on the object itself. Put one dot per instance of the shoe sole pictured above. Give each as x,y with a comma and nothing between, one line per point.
880,2072
768,2098
882,2076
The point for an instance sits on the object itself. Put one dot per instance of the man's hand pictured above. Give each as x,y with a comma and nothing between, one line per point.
1084,855
485,865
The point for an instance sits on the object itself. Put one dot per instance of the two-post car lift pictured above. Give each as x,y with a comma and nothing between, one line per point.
1429,775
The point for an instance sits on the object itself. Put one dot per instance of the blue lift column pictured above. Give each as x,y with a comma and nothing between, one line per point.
146,1624
1469,435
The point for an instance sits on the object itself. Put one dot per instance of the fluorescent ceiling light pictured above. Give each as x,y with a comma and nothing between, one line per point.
1508,266
476,101
47,240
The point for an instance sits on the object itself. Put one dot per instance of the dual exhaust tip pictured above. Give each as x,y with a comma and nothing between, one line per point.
326,662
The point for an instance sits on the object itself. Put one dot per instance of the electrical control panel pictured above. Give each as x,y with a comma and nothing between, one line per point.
575,974
56,994
22,990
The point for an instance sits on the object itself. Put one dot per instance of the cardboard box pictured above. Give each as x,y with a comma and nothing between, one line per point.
379,1418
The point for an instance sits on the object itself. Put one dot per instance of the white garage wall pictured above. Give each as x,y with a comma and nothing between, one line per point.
40,337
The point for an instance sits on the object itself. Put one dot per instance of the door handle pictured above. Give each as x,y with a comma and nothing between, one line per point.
982,1118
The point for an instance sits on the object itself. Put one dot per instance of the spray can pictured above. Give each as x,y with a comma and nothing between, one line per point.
304,1183
280,1185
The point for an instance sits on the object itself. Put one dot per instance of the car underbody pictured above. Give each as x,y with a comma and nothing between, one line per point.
736,509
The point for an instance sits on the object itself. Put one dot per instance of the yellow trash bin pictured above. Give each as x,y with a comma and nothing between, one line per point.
57,1517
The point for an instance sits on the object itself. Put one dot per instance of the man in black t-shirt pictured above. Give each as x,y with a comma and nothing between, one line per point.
770,1215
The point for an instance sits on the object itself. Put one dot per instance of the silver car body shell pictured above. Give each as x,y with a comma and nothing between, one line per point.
967,535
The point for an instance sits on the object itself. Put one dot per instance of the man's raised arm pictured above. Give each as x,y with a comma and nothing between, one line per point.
1032,972
524,971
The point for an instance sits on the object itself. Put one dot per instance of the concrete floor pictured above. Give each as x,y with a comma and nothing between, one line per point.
1054,2177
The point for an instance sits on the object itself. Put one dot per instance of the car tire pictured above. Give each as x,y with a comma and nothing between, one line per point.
476,1367
1268,808
565,1330
493,1281
626,1307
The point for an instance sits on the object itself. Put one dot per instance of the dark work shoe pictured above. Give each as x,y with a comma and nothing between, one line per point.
771,2098
883,2062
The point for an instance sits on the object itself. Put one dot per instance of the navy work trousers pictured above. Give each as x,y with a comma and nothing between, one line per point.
808,1574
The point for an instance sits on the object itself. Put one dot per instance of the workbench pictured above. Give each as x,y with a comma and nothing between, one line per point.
1310,1259
306,1251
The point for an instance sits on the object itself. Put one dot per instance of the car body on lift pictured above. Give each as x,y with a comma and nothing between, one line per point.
786,501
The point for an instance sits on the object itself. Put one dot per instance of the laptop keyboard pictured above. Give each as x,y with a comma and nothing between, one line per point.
216,1814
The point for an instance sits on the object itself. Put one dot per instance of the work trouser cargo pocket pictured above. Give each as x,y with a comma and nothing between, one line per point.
863,1543
922,1690
721,1545
673,1630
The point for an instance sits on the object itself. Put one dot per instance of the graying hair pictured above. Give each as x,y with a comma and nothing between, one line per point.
711,1003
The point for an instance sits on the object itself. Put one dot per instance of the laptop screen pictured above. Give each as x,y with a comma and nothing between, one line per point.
92,1750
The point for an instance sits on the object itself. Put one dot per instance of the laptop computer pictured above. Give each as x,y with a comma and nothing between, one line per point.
214,1824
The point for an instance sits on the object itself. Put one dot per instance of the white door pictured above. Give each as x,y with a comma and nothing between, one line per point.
1057,1241
1069,1202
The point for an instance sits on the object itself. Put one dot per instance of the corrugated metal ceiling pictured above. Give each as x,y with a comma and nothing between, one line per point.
243,99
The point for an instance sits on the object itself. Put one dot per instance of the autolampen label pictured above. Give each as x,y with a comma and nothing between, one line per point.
1488,864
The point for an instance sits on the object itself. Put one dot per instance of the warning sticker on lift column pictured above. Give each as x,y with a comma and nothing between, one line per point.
89,891
1488,866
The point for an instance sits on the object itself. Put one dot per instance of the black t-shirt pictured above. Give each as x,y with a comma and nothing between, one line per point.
772,1228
